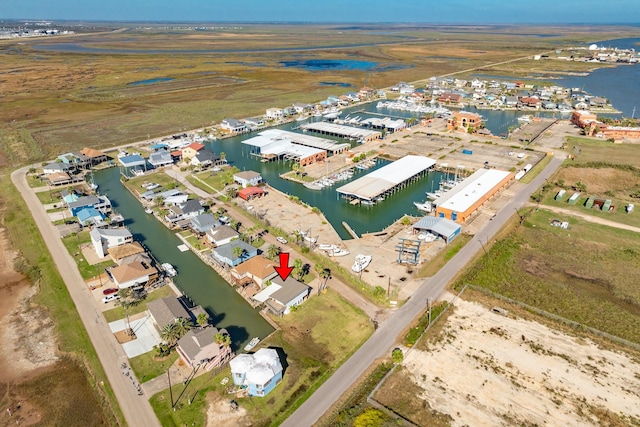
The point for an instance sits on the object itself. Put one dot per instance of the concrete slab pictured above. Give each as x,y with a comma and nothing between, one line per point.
146,335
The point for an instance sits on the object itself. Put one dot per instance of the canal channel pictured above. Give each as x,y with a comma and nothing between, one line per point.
195,278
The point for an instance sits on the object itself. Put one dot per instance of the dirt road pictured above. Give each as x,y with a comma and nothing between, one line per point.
136,409
590,218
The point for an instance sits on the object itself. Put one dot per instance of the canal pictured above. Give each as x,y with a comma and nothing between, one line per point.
196,279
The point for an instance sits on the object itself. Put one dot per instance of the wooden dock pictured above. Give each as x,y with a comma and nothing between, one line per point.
350,230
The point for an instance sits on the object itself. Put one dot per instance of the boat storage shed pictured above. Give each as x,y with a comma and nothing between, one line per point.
442,227
466,198
387,179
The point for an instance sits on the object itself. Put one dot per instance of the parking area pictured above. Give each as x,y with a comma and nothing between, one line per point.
146,335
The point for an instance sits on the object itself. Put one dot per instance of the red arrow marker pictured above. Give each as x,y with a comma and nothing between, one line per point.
284,270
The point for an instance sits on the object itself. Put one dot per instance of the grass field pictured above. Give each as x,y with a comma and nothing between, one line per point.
586,274
77,381
147,367
313,351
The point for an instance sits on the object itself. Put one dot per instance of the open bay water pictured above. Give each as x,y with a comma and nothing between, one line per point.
195,278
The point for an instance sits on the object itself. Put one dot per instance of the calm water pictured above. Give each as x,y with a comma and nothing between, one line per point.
330,64
621,84
151,81
196,279
361,218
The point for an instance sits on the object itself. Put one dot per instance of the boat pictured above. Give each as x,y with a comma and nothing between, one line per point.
361,263
148,210
254,342
301,118
434,195
169,269
428,237
315,185
339,252
525,119
424,207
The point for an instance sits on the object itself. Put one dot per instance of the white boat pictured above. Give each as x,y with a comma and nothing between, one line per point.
339,252
254,342
424,207
169,269
434,195
315,185
428,237
301,118
149,210
525,119
361,262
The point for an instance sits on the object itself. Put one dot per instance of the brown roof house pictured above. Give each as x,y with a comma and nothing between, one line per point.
281,296
256,270
134,274
199,348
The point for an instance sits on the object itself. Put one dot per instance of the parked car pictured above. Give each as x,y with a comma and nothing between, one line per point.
281,240
110,298
110,291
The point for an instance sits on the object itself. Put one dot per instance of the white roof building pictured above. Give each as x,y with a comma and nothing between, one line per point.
386,178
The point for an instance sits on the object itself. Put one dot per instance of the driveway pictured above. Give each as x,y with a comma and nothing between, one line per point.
147,336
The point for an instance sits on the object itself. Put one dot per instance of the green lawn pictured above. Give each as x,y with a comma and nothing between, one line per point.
73,243
590,150
217,180
146,367
308,339
118,312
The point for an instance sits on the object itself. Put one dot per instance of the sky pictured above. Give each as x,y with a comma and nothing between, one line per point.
357,11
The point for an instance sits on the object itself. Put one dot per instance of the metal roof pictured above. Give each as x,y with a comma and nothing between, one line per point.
345,131
468,192
307,140
387,177
441,226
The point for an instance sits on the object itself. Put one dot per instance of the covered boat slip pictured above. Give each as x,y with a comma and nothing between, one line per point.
343,131
271,147
307,140
375,186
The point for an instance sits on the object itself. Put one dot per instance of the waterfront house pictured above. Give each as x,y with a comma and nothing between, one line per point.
597,102
132,275
464,120
221,235
510,101
166,311
301,107
184,211
227,254
90,216
549,105
59,178
281,295
259,372
160,158
253,123
274,113
450,98
191,150
198,348
205,158
233,125
203,223
95,156
127,253
247,178
580,105
257,270
101,203
104,239
531,101
56,167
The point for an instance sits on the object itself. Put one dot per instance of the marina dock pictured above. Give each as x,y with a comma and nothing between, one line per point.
342,131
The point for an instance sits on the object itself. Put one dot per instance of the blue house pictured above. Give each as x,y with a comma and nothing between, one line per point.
259,372
203,223
225,253
89,216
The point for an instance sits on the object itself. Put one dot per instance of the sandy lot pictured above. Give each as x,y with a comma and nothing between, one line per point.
491,369
220,414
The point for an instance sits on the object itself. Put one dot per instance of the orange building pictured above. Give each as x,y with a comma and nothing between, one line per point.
465,199
463,120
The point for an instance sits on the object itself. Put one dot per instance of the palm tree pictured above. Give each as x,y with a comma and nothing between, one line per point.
182,326
202,320
127,300
238,252
273,251
169,334
297,268
297,235
222,339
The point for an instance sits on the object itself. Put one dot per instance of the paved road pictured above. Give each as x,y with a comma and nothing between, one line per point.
136,409
379,344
